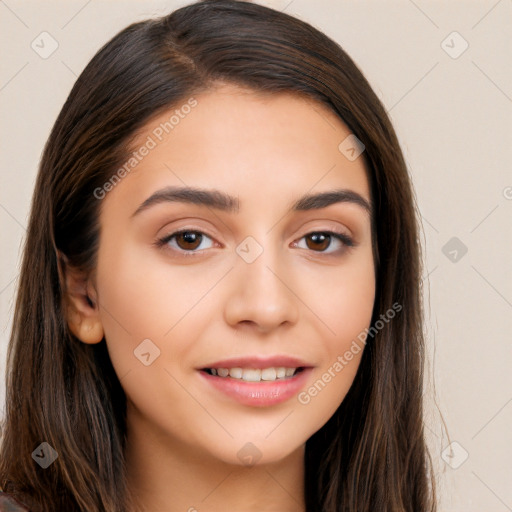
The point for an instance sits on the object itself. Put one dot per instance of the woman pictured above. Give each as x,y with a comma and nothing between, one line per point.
219,303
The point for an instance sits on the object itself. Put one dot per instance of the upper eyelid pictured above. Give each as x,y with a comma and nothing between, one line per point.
343,230
172,234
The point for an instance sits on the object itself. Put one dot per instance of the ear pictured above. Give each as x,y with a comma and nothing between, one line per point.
80,303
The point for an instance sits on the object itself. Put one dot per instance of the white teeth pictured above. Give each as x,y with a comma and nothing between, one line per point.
255,374
252,375
236,373
268,374
280,372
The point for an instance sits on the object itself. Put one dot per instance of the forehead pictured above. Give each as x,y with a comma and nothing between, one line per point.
247,141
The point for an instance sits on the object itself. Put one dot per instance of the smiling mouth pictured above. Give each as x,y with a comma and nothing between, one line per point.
254,374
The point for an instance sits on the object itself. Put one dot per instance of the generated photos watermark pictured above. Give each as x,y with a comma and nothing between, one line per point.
343,360
157,135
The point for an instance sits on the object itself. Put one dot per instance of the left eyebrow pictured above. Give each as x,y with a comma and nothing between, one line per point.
224,202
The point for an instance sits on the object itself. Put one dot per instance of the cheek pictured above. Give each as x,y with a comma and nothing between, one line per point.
344,306
342,298
141,297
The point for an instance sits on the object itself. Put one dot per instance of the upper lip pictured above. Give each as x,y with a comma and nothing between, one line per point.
259,362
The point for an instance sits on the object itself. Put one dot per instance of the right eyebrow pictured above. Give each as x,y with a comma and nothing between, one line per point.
212,198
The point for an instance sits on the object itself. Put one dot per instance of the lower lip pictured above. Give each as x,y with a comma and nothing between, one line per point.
259,394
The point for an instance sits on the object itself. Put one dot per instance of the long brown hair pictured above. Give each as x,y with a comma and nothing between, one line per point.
371,455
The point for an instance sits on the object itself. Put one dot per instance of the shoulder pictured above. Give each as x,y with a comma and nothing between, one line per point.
10,504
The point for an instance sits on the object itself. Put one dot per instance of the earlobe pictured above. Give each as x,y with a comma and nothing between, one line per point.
80,304
85,326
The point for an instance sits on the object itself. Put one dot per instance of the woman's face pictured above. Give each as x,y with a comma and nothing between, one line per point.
258,280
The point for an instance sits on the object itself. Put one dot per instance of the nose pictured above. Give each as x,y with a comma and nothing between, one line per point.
262,294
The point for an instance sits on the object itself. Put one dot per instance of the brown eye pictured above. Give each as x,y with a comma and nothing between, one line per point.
188,240
320,241
326,242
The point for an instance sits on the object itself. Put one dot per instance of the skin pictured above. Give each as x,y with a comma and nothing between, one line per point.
183,435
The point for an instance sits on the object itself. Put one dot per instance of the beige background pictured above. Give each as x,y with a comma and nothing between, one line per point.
453,114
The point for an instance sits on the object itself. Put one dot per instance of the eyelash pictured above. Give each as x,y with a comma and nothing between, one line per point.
345,240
